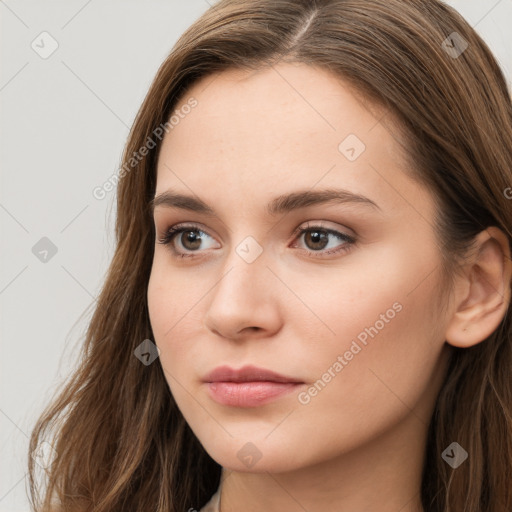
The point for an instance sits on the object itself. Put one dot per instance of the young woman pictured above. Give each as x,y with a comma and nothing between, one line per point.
309,303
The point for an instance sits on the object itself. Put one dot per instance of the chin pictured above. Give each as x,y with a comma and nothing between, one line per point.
276,463
257,456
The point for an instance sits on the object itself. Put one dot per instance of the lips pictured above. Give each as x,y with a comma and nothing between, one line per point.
246,374
248,386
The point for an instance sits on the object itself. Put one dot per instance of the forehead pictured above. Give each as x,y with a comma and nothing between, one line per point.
287,102
263,131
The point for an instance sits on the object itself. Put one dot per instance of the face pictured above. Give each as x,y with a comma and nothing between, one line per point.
315,259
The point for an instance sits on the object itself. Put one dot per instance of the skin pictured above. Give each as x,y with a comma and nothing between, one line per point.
357,445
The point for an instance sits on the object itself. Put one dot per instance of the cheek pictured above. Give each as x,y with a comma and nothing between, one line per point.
174,305
373,386
383,358
172,294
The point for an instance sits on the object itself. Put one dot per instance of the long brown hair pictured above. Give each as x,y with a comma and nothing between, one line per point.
121,442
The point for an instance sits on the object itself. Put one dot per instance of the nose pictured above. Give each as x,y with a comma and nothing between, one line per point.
244,301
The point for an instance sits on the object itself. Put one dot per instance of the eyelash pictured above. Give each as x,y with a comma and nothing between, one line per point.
174,231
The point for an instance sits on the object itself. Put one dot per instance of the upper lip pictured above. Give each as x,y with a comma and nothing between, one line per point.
246,374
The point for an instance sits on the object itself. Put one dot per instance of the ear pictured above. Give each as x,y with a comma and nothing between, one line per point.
483,293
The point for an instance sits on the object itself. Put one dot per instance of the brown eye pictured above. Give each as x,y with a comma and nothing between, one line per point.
190,240
318,238
185,239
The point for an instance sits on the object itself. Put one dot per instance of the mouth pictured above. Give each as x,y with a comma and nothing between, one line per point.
248,386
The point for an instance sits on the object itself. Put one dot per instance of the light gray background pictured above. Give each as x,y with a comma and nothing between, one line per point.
64,122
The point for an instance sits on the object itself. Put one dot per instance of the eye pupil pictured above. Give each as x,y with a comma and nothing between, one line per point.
316,237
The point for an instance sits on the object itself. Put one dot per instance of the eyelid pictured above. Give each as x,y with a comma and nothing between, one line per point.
323,225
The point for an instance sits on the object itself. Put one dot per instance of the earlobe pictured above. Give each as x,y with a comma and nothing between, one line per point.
484,293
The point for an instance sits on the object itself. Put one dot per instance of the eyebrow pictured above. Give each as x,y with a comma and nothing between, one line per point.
278,205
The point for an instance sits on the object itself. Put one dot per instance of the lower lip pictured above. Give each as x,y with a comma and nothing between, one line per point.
249,394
